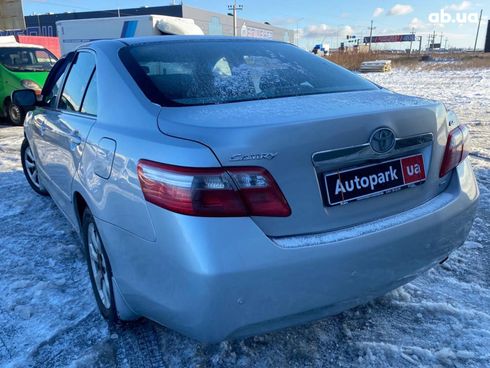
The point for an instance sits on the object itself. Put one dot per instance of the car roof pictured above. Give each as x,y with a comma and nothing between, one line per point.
20,45
178,38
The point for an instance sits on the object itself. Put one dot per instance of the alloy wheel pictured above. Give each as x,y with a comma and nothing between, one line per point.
31,168
98,264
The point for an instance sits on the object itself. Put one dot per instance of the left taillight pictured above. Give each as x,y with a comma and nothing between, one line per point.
213,192
457,149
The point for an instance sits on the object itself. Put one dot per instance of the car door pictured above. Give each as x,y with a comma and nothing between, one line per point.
66,127
35,127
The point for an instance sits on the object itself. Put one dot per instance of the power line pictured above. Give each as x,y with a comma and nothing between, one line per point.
53,3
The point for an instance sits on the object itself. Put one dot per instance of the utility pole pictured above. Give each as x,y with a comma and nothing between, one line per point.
420,45
441,39
371,34
235,7
478,30
413,34
445,44
297,30
433,40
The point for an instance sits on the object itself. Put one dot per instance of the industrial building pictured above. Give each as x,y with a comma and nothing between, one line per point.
210,22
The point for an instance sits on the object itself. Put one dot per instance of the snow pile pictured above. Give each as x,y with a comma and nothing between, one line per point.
44,283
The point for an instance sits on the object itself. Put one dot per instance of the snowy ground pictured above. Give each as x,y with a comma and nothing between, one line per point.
48,316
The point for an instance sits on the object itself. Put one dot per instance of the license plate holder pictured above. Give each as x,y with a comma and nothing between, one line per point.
363,182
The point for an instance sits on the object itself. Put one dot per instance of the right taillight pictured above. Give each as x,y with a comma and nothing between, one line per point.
457,149
213,192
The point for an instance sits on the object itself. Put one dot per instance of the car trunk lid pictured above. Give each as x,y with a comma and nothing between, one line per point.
300,139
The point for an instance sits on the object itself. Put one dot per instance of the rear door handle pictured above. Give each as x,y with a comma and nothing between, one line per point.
42,127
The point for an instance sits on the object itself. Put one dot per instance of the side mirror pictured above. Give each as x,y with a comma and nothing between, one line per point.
25,98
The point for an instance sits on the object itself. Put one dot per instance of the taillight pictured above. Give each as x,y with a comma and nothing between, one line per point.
217,192
457,149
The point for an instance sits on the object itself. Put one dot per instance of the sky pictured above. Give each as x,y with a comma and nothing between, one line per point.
329,21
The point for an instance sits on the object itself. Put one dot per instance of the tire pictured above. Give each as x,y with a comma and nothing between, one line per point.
99,268
30,169
15,114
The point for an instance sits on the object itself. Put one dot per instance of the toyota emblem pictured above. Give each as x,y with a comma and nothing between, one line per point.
382,140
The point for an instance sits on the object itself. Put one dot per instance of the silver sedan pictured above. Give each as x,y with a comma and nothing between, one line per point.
225,187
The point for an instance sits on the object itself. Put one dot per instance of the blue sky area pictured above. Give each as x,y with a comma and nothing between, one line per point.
329,21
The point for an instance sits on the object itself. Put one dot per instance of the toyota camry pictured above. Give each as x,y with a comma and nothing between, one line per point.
226,187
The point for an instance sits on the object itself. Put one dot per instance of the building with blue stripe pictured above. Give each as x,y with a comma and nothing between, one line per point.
210,22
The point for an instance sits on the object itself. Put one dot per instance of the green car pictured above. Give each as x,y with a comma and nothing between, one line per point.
21,67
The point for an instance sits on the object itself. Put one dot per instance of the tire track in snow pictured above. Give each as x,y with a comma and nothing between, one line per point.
73,341
136,345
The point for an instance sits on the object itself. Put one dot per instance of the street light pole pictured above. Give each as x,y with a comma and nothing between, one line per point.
478,30
234,19
234,8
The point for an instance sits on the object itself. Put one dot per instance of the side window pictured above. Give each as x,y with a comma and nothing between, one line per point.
53,84
77,81
50,99
89,105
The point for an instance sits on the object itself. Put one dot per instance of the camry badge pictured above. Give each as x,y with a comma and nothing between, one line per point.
253,156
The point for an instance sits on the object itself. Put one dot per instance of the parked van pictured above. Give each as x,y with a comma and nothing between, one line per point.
22,66
75,32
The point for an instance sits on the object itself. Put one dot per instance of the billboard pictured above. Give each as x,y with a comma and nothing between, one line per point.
392,38
11,16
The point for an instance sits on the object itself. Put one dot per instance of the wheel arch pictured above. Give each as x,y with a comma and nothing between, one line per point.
4,106
80,205
123,309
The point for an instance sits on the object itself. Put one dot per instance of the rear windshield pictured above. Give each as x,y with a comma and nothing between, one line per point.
223,71
26,59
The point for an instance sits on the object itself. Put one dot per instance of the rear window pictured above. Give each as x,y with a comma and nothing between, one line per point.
223,71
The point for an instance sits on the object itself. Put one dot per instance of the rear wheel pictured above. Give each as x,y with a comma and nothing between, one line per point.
15,114
99,268
30,169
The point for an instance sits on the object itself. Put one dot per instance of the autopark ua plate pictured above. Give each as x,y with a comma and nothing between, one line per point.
363,182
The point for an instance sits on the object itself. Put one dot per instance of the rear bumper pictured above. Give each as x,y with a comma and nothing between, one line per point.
212,279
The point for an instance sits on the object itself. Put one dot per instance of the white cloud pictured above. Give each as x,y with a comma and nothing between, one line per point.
285,21
400,9
459,7
417,24
377,12
324,30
